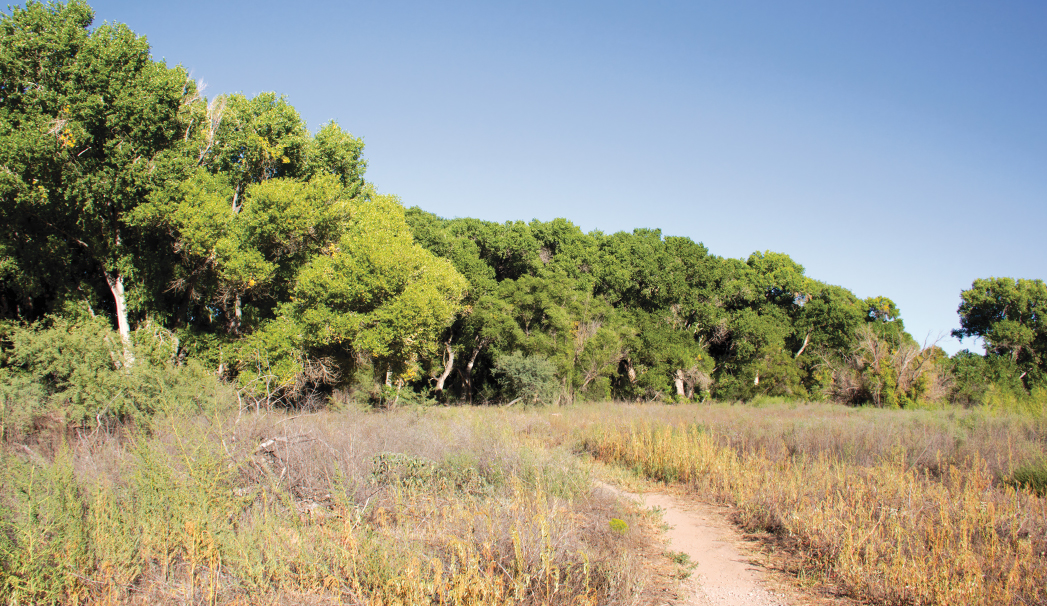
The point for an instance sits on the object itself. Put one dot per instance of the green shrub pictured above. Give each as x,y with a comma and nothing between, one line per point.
1032,476
72,366
44,541
530,378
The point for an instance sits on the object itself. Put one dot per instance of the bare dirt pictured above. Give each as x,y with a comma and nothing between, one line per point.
725,568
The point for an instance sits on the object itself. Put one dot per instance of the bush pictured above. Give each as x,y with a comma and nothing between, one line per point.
984,380
529,378
72,367
1032,476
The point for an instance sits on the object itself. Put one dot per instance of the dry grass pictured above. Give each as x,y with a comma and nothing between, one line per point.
892,507
492,506
444,506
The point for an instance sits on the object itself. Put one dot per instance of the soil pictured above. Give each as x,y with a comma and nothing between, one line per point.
726,568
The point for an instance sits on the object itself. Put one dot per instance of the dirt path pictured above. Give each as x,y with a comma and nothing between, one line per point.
724,573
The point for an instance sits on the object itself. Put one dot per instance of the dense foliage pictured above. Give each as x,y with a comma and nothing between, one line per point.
222,235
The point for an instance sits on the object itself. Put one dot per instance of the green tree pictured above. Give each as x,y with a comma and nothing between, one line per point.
261,198
89,124
374,293
528,378
1011,317
484,318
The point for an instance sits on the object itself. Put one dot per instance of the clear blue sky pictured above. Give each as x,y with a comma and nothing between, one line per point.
894,148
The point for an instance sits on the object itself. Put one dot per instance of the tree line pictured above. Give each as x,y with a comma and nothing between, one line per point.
253,248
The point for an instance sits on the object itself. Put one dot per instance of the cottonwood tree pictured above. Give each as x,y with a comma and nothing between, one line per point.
89,124
1011,317
374,292
262,198
654,283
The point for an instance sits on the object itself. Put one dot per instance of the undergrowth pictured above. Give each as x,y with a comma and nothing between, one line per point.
945,519
495,506
407,507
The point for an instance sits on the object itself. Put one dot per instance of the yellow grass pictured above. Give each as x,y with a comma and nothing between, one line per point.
448,507
494,506
885,531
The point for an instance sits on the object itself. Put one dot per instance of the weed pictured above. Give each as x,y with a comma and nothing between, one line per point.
396,507
684,564
867,506
1032,476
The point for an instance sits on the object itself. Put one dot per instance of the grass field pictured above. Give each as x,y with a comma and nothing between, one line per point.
890,507
491,505
443,506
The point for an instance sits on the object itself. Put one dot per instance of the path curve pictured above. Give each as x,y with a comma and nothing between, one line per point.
723,575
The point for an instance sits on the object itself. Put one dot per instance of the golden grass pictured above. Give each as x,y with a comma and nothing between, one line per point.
898,523
440,507
495,506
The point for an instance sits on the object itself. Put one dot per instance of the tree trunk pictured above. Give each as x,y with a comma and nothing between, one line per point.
116,286
806,340
630,371
238,315
679,384
448,365
469,374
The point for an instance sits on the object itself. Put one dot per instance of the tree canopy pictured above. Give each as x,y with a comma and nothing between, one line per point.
260,249
1011,317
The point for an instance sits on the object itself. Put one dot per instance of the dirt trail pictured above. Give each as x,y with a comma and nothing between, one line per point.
723,574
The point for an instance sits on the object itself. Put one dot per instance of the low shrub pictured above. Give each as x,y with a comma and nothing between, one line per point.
1032,476
72,367
434,506
530,378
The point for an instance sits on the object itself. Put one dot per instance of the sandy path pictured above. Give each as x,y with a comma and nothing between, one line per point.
723,575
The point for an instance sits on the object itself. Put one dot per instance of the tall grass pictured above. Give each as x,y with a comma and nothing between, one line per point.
491,506
892,507
438,507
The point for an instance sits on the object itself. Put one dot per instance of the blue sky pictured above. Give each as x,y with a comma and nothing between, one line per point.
894,148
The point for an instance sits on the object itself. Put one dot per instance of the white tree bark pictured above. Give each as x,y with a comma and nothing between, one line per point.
469,374
806,340
448,365
238,314
679,384
116,286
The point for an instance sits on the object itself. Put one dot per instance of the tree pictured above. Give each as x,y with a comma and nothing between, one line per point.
90,125
374,292
261,198
1011,317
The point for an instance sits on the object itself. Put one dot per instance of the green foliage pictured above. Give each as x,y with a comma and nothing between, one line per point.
530,378
227,232
1009,315
73,366
374,292
977,379
887,372
89,126
1032,476
44,539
